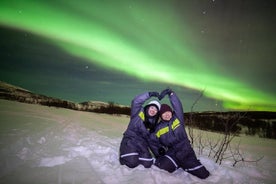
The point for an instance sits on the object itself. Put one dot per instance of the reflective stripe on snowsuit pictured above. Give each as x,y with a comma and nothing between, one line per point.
195,168
140,158
165,130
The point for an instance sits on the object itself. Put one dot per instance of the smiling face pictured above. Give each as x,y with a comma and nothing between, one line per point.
167,116
152,111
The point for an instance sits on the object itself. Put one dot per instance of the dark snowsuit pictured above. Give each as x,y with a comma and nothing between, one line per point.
134,148
173,137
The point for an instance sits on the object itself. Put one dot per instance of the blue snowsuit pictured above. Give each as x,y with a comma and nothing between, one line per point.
178,150
134,148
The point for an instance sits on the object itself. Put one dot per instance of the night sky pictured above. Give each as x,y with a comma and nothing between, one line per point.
113,50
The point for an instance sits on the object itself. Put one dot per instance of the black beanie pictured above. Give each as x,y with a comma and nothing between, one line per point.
165,108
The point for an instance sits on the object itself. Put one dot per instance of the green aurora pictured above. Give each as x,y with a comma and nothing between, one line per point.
132,37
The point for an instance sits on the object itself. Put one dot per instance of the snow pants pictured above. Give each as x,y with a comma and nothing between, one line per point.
185,159
134,152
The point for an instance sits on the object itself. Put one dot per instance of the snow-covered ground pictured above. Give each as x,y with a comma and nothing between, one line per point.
40,144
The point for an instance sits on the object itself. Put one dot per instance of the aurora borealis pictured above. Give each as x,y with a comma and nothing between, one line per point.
224,48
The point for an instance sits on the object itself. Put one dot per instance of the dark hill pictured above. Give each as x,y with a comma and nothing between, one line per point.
15,93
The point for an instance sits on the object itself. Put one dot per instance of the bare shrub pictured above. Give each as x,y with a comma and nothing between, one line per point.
220,149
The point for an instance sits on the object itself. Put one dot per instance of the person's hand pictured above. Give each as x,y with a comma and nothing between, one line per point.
162,150
165,92
154,93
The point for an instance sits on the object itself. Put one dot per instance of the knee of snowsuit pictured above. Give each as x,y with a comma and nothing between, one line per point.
131,154
130,161
192,165
166,162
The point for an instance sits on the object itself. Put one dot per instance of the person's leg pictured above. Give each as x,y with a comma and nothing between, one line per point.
145,159
129,156
192,165
131,159
167,163
199,171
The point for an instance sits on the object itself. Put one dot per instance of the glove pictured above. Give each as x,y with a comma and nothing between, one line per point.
165,92
156,94
162,150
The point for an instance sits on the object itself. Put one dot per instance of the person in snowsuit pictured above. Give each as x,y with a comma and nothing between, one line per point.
134,148
174,149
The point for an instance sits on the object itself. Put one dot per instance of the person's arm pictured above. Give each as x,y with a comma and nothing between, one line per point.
175,102
139,100
155,146
177,106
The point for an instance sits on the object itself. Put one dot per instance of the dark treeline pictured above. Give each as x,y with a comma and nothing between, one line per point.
255,123
39,99
113,109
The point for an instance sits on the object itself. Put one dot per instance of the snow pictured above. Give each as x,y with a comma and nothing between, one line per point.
40,144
